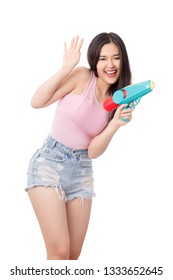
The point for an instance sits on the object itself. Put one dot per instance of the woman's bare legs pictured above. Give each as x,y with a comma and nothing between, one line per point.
50,210
63,225
78,214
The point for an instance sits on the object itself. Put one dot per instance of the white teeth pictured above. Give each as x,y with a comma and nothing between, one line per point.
110,72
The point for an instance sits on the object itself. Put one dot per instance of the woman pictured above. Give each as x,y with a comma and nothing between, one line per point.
60,179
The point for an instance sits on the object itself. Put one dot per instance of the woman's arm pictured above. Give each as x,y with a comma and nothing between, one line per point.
100,142
63,81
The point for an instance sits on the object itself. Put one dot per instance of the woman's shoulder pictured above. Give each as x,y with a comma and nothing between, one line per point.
81,76
82,72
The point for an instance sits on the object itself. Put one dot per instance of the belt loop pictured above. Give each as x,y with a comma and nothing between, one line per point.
52,142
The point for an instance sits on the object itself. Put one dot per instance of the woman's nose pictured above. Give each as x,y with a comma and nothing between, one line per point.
110,63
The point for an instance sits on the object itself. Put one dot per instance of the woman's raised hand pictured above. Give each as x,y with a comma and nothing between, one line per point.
72,54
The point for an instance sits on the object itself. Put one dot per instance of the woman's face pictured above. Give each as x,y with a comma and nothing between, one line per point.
108,66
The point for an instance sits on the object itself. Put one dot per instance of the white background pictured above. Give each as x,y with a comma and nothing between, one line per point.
131,221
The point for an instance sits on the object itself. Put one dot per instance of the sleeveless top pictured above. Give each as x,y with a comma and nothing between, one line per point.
78,118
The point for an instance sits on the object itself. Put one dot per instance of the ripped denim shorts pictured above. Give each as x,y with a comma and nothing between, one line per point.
62,168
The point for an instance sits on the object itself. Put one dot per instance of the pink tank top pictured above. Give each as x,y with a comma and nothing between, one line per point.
78,118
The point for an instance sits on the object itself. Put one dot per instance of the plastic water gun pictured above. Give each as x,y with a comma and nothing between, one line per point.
128,95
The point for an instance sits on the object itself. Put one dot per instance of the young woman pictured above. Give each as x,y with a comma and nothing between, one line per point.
60,177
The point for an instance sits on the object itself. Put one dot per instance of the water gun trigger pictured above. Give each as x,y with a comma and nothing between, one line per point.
135,102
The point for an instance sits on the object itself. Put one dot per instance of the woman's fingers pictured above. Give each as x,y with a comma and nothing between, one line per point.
123,114
76,43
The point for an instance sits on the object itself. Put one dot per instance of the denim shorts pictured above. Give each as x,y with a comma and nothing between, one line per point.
69,171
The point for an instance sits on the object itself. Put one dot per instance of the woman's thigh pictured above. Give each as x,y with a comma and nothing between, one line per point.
78,215
50,210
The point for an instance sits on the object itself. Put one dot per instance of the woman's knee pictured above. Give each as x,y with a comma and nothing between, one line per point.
74,254
58,252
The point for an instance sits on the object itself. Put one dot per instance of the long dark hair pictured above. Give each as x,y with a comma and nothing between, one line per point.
93,55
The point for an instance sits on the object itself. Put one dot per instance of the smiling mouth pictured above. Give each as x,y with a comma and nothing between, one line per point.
111,73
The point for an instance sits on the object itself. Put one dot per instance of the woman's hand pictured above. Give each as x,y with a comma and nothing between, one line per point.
122,116
72,54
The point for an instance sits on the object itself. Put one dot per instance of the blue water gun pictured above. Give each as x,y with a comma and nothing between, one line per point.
130,95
